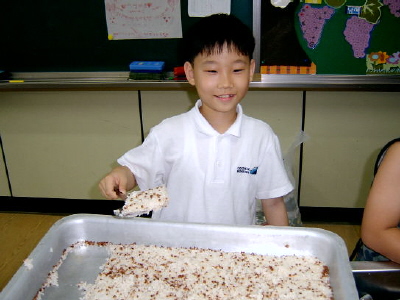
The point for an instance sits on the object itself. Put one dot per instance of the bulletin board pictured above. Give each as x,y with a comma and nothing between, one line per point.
71,36
353,37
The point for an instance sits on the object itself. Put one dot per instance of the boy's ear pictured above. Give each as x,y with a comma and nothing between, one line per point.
189,72
252,68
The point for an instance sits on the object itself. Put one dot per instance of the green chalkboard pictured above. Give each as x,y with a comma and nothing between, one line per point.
71,36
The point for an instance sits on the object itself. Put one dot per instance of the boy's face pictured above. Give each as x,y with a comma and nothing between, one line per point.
221,79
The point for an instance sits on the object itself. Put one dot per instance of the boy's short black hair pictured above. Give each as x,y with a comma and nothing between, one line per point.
211,33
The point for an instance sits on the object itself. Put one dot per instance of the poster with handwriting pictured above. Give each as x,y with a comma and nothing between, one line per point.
203,8
143,19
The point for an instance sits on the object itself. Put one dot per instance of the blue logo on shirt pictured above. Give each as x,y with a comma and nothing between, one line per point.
246,170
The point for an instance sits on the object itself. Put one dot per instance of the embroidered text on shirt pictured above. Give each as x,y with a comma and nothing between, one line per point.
252,171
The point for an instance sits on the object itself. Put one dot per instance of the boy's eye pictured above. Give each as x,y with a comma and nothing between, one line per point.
211,71
238,70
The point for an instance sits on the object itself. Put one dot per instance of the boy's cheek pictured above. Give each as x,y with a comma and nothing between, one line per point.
191,81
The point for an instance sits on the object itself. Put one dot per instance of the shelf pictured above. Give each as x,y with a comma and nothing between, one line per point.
119,81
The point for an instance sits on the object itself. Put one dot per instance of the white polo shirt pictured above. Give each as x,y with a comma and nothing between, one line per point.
210,177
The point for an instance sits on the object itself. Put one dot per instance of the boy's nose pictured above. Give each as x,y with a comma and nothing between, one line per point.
225,81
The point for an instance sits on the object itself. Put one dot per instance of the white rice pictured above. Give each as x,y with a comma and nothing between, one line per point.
152,272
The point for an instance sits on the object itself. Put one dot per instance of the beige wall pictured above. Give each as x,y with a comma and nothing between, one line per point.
158,105
59,144
282,110
347,130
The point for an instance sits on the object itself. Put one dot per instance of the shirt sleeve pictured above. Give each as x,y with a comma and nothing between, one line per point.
146,163
273,180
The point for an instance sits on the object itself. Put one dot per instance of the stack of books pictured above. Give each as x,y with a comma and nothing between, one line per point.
146,70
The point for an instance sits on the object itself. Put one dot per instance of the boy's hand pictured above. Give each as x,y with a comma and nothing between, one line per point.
116,184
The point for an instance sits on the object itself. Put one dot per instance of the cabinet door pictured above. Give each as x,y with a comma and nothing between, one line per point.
347,130
59,144
281,110
159,105
4,189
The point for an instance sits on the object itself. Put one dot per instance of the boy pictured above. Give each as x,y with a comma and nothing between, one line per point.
214,160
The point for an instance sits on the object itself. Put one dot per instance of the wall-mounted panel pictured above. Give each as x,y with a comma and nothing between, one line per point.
159,105
60,144
281,110
347,130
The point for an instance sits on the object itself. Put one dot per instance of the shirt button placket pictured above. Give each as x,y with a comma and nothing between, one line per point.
218,165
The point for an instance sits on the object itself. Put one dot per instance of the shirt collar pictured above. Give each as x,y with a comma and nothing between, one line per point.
205,127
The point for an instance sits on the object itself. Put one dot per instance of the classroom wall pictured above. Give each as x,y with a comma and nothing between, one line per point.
281,110
347,130
59,144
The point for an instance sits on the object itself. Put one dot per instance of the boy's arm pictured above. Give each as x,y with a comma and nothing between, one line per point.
116,184
275,211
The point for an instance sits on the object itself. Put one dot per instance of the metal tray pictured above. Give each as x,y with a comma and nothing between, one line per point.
83,264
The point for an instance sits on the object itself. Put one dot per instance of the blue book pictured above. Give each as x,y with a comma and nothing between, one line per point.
147,66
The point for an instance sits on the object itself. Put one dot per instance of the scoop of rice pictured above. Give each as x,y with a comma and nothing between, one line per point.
142,202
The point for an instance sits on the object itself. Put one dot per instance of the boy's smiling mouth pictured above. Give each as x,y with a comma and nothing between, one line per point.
225,97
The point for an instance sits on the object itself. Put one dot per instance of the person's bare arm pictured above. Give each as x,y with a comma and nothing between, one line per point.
116,184
275,211
382,212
